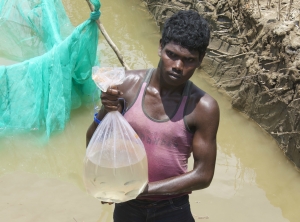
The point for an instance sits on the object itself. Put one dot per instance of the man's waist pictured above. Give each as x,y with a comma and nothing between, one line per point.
159,200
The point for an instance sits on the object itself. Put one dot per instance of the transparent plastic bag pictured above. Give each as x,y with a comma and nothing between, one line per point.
116,167
107,76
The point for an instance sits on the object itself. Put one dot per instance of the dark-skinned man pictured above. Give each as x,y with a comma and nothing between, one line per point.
174,119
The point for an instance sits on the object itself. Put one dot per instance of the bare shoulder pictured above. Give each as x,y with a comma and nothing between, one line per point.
132,83
134,76
202,109
207,103
137,73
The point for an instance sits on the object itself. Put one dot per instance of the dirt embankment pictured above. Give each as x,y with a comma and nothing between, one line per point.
254,55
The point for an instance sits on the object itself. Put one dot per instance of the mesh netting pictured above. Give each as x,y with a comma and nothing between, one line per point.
52,62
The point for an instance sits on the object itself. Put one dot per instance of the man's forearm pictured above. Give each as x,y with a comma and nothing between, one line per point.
180,184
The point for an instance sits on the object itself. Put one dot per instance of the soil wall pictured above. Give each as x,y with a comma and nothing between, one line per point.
254,55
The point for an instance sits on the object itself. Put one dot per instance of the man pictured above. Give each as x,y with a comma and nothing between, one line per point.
173,118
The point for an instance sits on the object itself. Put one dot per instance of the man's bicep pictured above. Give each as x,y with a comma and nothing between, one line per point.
204,141
204,148
207,123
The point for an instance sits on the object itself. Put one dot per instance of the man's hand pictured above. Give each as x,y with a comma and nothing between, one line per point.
110,100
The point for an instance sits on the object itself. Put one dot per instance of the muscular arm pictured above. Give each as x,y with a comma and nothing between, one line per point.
204,153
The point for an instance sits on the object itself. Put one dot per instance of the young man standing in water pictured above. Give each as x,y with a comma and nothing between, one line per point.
173,118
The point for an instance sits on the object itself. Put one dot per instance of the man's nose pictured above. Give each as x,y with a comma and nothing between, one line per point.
178,65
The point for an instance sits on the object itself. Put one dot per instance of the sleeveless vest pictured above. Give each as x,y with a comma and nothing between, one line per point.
168,143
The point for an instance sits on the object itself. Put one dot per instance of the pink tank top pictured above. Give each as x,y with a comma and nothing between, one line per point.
168,143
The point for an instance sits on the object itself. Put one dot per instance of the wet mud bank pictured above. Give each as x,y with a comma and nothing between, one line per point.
254,55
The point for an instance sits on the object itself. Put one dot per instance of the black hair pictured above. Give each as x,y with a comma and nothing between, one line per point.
188,29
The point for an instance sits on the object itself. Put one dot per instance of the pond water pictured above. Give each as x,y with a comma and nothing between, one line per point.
43,181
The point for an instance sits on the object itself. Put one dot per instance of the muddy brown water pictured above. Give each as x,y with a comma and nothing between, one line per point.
43,182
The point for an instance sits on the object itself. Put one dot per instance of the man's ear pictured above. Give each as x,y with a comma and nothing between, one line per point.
159,48
201,57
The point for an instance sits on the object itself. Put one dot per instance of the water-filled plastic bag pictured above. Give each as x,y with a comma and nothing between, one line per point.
115,166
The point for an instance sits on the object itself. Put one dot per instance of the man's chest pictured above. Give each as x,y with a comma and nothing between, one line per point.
160,107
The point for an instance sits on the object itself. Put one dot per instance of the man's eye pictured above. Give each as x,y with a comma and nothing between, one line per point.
171,54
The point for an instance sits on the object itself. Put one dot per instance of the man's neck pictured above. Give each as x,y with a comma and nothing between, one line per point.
162,87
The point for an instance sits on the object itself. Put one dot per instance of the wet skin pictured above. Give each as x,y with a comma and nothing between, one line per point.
163,94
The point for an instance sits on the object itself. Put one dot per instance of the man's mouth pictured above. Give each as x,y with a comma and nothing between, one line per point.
175,75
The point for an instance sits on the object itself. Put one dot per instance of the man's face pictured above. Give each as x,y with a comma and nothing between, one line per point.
177,64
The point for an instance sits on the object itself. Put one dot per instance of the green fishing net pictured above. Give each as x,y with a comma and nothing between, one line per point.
45,65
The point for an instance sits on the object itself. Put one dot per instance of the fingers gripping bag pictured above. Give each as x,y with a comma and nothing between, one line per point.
115,166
